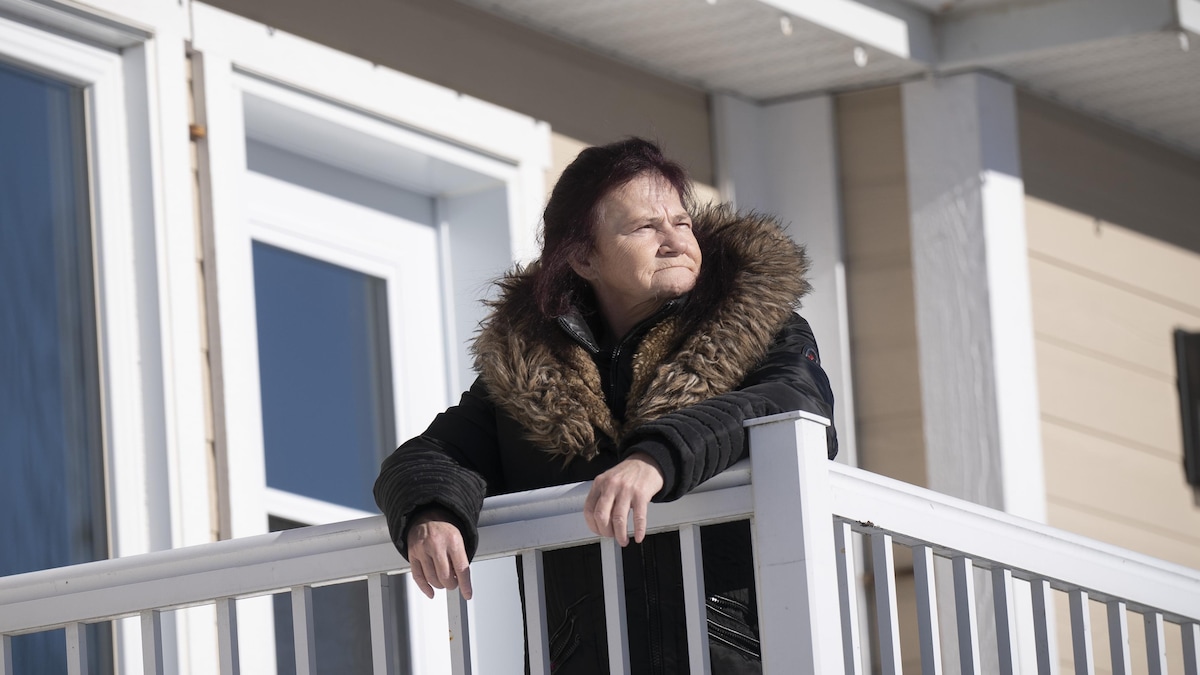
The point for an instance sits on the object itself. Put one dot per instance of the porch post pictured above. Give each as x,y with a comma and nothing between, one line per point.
794,557
971,287
782,159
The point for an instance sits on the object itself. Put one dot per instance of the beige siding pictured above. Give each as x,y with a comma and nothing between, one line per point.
1106,300
581,94
1114,256
883,334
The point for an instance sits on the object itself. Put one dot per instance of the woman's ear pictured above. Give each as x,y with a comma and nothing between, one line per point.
583,266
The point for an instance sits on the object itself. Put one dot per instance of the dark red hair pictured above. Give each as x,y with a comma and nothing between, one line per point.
569,220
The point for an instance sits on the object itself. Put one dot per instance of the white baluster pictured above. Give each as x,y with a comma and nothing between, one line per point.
927,616
1043,609
1191,648
1081,633
1118,638
381,602
535,612
152,656
614,606
227,637
1006,619
77,649
691,554
964,609
1156,644
6,667
843,536
460,633
304,631
886,615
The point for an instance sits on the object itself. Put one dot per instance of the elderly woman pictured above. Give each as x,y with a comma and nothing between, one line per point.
629,354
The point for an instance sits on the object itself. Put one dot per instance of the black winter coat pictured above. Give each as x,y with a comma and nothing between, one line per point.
552,407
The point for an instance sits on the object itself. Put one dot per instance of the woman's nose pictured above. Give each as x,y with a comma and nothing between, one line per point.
674,242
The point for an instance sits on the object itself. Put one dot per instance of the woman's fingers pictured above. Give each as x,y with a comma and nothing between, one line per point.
462,573
418,575
627,486
438,557
597,509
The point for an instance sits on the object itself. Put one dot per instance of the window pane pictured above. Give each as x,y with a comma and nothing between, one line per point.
325,376
51,454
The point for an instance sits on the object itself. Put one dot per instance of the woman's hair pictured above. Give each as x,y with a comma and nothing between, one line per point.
571,213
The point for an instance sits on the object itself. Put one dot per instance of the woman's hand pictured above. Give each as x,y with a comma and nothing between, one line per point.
627,486
437,555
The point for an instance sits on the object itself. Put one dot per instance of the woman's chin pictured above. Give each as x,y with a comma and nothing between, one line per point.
674,282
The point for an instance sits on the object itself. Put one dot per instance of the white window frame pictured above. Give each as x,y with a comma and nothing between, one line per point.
291,218
130,60
240,56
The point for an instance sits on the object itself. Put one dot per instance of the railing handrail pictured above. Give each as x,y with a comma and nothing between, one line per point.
267,563
1030,549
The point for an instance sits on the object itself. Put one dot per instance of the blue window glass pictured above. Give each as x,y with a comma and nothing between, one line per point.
325,376
51,449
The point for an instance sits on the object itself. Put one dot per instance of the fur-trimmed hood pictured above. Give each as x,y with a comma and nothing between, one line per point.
751,279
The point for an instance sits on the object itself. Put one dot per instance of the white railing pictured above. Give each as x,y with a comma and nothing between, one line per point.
804,511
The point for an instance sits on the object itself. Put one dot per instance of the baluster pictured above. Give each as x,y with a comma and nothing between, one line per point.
964,608
535,612
843,536
1006,619
886,617
1118,638
1043,609
227,637
460,633
1081,633
383,623
6,667
304,631
77,648
693,599
1191,648
927,616
152,656
614,606
1156,644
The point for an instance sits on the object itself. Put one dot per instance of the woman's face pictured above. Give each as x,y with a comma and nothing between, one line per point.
644,251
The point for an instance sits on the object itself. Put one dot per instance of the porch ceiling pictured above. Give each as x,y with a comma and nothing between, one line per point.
1134,64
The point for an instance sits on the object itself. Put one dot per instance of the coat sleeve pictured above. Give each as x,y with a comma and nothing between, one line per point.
451,466
695,443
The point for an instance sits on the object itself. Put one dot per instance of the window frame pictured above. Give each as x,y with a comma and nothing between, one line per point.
133,72
236,55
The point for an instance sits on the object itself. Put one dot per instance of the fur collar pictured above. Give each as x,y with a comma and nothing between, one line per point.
751,280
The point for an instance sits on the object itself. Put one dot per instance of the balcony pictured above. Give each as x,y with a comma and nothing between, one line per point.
809,516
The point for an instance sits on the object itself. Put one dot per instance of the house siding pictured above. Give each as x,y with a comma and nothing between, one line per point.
1114,269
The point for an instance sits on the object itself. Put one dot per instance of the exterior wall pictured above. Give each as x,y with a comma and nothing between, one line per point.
581,94
883,332
1114,260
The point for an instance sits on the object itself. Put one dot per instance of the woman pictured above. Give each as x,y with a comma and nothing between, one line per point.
629,354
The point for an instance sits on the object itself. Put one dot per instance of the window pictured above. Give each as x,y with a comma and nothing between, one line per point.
51,449
1187,355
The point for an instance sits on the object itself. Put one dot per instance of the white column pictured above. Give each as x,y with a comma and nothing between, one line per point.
971,281
974,317
782,159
